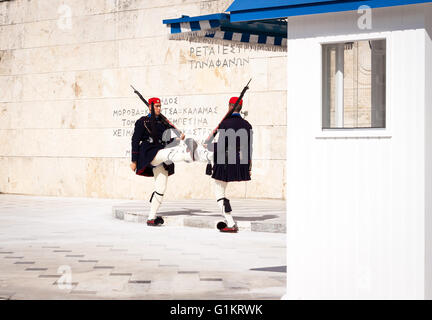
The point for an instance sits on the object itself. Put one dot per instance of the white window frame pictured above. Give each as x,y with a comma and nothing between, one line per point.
358,132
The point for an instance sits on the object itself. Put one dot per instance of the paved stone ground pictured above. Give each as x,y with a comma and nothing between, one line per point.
250,215
41,238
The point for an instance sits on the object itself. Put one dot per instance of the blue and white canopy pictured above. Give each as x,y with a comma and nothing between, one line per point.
217,28
248,10
262,23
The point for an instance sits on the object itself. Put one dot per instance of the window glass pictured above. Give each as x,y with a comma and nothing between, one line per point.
354,84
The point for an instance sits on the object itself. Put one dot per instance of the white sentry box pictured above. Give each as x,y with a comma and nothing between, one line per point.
359,201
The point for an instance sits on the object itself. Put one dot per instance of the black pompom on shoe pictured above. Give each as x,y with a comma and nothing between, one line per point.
155,222
221,225
159,220
209,169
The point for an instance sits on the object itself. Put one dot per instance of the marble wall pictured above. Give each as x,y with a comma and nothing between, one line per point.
67,111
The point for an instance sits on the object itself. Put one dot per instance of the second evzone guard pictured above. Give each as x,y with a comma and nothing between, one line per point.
230,159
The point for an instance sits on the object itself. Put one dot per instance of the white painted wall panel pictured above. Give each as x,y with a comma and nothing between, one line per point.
356,204
61,86
428,159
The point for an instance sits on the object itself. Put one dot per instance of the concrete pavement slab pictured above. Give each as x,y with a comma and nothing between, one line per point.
66,248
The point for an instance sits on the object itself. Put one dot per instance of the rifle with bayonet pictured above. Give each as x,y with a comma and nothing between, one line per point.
227,115
162,117
209,167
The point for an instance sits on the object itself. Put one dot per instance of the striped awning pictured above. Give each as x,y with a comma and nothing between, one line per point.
247,10
217,28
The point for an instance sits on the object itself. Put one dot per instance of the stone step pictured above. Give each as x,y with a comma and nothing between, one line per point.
134,214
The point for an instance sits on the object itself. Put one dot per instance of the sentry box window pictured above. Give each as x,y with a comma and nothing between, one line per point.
354,85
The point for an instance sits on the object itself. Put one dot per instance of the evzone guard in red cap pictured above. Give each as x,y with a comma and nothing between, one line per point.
154,153
231,157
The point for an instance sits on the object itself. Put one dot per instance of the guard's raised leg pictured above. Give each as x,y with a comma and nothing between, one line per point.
175,154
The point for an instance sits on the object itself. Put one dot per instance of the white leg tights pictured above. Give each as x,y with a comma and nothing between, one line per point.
175,154
161,178
220,187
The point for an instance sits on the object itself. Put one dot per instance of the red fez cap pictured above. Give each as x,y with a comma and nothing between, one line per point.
233,100
154,100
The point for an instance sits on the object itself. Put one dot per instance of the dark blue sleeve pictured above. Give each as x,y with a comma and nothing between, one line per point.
248,127
250,131
136,139
221,131
167,136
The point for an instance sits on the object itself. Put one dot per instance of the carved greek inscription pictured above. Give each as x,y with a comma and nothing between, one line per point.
191,120
220,56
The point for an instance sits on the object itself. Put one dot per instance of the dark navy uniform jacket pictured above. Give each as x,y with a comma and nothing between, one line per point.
239,170
144,149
